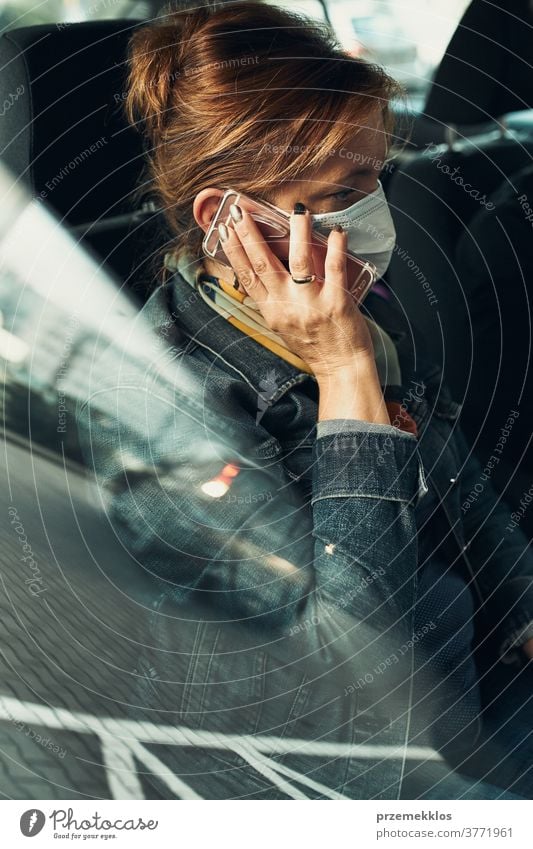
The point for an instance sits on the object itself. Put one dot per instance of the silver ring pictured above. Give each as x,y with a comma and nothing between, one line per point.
310,279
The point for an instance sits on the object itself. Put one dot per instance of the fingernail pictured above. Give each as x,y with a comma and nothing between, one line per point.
338,228
299,208
223,232
235,212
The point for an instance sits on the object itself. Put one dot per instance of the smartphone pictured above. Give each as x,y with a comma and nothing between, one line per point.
274,224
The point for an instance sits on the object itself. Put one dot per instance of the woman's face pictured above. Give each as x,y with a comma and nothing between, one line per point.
349,174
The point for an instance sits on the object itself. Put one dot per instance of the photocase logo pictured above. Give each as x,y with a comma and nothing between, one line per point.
32,822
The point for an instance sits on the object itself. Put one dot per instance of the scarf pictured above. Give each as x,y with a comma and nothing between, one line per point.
242,311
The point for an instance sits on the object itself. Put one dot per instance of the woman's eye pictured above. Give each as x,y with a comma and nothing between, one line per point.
343,195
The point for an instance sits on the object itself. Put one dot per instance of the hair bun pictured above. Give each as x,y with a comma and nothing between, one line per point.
156,55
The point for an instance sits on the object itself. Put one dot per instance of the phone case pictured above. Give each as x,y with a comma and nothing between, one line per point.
274,224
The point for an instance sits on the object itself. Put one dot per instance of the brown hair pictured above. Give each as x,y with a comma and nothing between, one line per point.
222,93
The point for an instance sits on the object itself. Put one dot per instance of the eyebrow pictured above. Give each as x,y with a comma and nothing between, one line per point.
344,178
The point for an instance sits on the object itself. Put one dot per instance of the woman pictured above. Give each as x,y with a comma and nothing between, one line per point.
299,485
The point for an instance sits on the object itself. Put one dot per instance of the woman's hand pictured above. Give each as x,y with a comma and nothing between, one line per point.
319,321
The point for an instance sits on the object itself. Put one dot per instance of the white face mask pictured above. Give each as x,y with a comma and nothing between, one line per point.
369,227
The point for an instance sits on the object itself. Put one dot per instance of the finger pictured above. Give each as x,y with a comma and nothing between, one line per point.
335,263
264,263
300,257
240,263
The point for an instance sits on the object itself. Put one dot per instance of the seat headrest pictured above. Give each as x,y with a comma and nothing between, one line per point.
63,131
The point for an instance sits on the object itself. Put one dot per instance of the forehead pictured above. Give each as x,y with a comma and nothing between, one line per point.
365,148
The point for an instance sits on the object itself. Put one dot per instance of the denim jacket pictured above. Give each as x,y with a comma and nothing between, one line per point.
301,548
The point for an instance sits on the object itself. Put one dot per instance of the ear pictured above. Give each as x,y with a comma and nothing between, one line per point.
205,205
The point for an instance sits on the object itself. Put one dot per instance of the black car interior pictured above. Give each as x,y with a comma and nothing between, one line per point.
73,125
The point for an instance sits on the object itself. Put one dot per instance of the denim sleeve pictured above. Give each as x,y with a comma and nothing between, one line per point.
364,511
390,434
501,554
202,500
332,426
